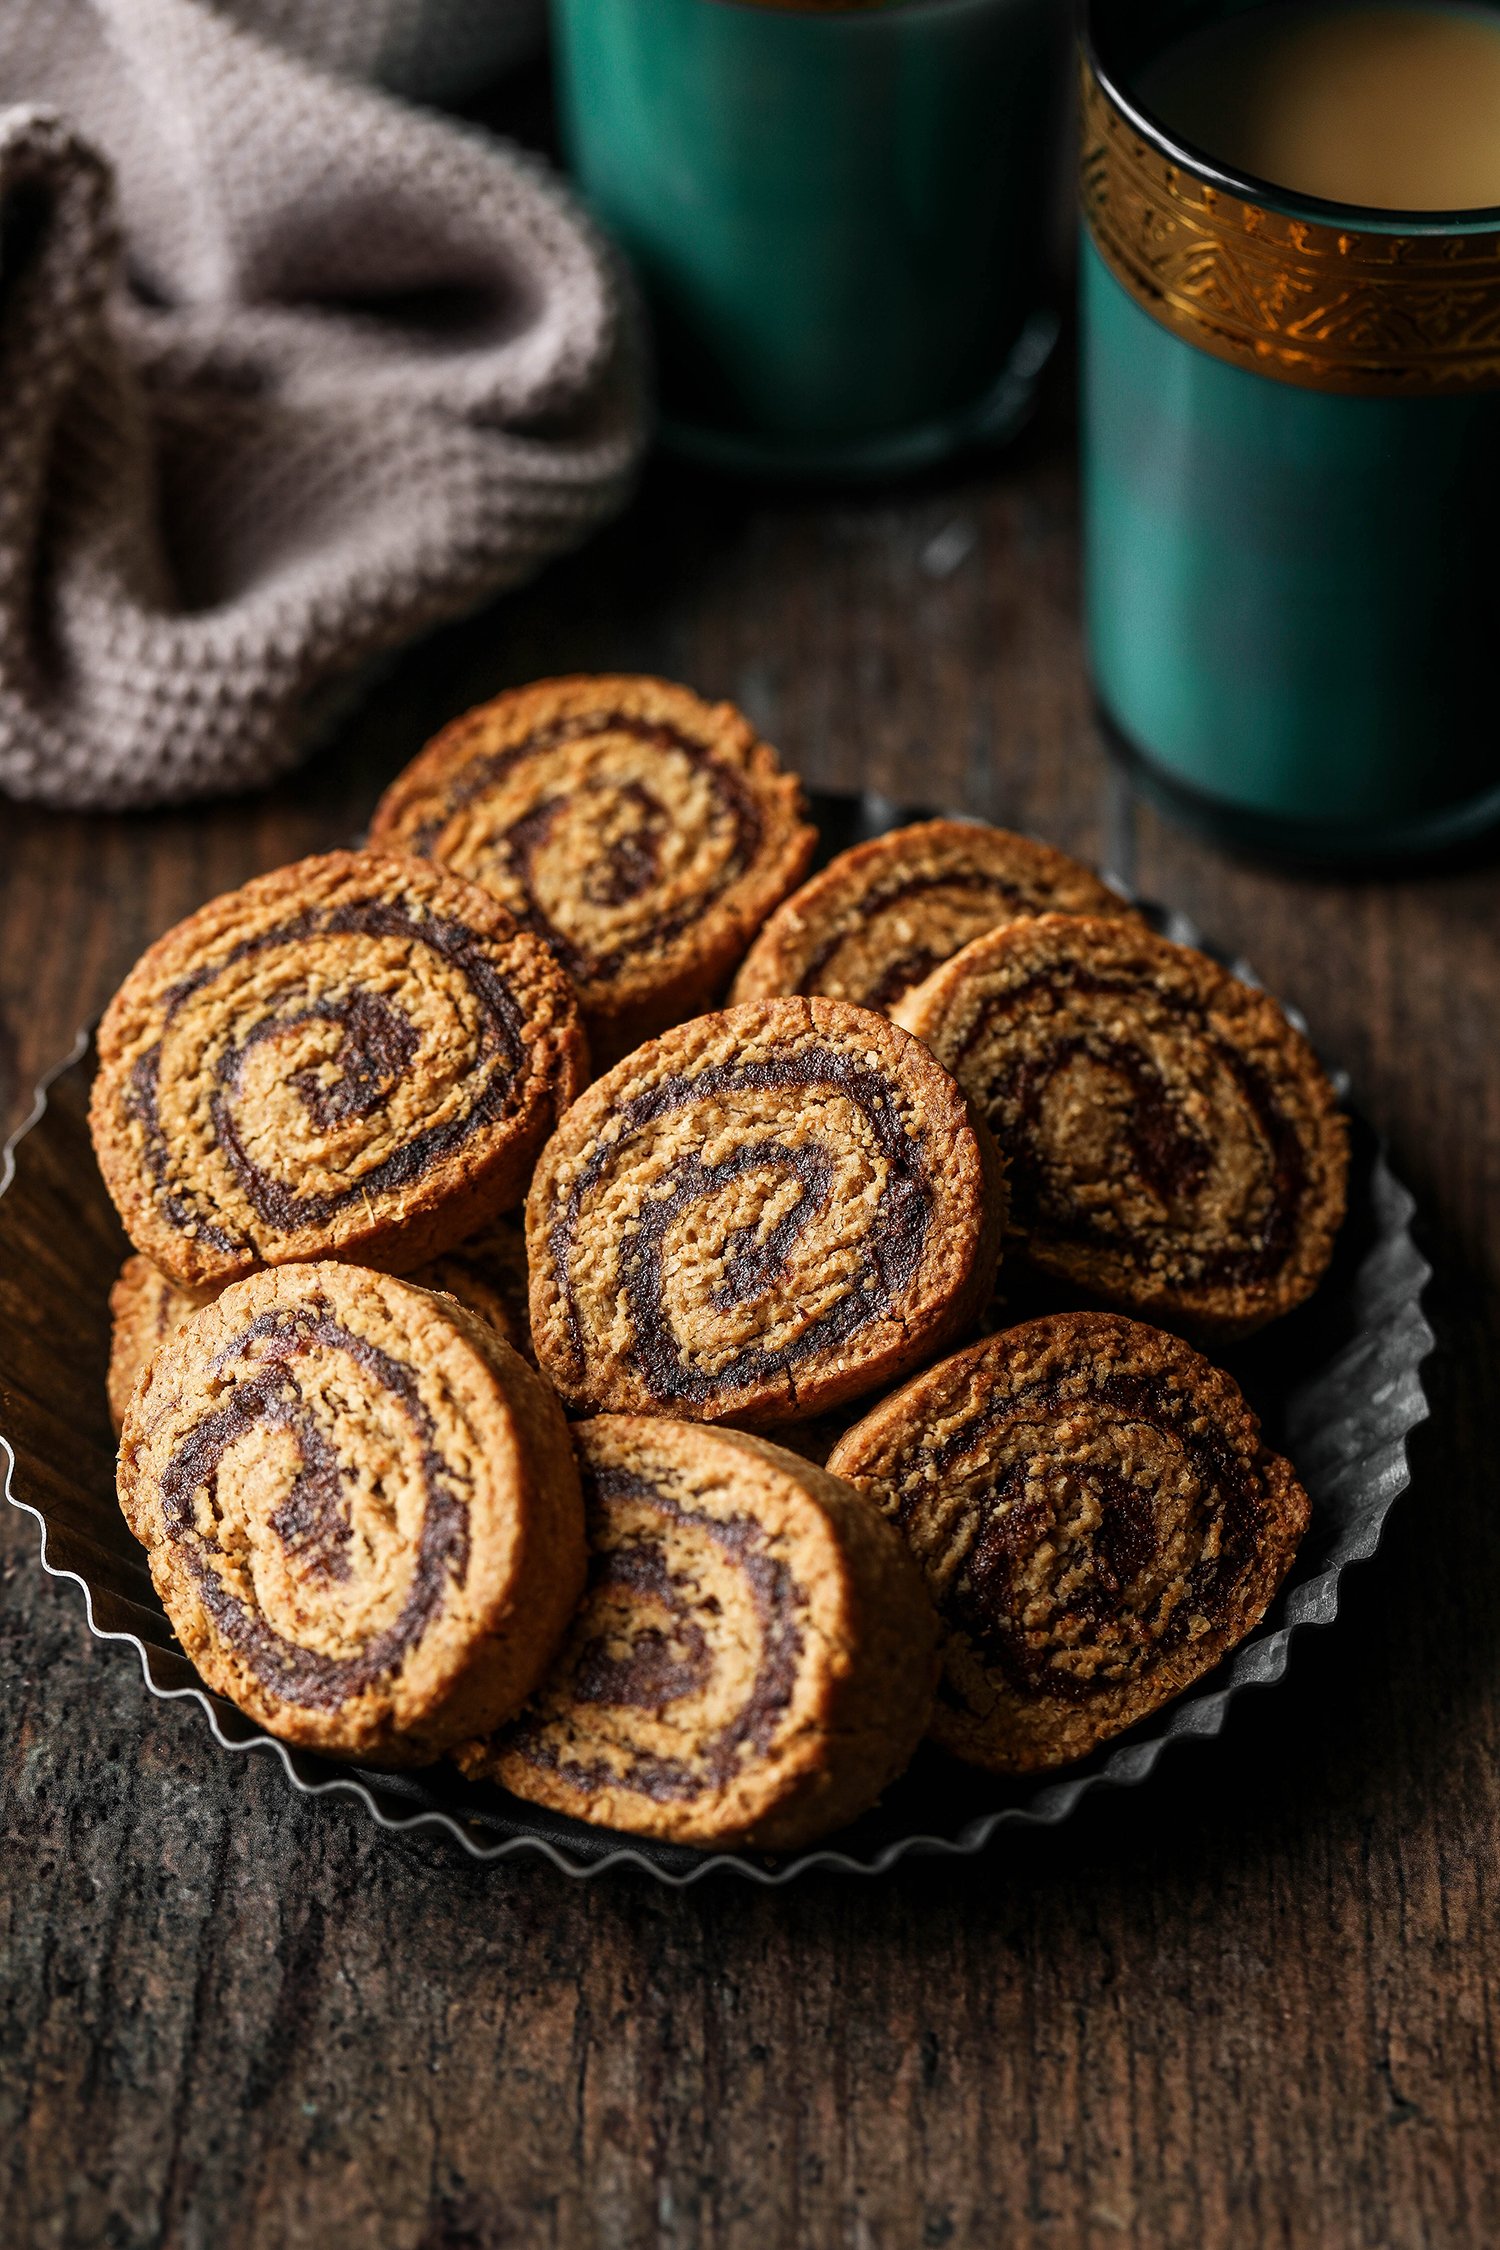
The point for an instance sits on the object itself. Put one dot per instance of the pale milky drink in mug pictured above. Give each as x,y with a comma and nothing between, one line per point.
1392,107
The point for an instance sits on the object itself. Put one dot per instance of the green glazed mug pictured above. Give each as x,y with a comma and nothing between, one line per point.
843,217
1291,430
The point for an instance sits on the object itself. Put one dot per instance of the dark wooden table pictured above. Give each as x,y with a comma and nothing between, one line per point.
1255,2002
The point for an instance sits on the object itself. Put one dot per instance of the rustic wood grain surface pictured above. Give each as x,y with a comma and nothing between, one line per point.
1253,2003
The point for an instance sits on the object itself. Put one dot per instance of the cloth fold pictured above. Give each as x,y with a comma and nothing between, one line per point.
429,50
288,372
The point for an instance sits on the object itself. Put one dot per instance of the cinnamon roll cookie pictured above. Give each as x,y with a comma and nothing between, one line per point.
494,1260
753,1661
145,1309
1097,1520
1174,1147
880,918
356,1057
644,833
757,1216
480,1293
361,1510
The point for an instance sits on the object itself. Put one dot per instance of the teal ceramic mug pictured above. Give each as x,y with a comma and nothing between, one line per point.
1292,461
842,216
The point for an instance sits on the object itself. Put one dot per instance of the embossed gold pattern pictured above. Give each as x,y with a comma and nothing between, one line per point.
1325,307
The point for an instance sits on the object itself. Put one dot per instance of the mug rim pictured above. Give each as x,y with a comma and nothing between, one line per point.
1363,218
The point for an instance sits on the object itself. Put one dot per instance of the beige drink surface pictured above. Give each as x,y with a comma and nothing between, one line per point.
1395,107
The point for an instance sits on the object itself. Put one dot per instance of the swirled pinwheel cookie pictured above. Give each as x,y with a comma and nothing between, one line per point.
1174,1147
361,1510
145,1309
478,1293
644,833
1097,1520
879,919
495,1259
757,1216
355,1057
753,1661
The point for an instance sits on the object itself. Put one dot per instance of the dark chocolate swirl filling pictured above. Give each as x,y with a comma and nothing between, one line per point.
376,1048
889,1258
982,1602
630,865
670,1662
909,968
312,1521
1170,1156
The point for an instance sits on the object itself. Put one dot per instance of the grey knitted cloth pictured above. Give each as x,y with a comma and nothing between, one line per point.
288,372
429,50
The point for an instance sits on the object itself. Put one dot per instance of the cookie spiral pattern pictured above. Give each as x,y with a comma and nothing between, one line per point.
355,1057
145,1309
757,1216
753,1661
1173,1145
880,918
1097,1521
361,1510
644,833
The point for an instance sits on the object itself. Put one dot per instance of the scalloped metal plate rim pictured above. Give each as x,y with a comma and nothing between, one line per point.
1259,1661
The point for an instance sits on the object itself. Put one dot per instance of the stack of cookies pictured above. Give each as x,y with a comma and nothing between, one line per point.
563,1331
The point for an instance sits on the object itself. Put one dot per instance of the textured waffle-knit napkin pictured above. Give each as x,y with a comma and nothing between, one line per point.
288,371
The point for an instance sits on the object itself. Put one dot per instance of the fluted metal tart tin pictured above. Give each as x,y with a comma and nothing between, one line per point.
1291,433
1339,1386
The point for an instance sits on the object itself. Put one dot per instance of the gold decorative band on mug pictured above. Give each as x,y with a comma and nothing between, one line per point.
1326,307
